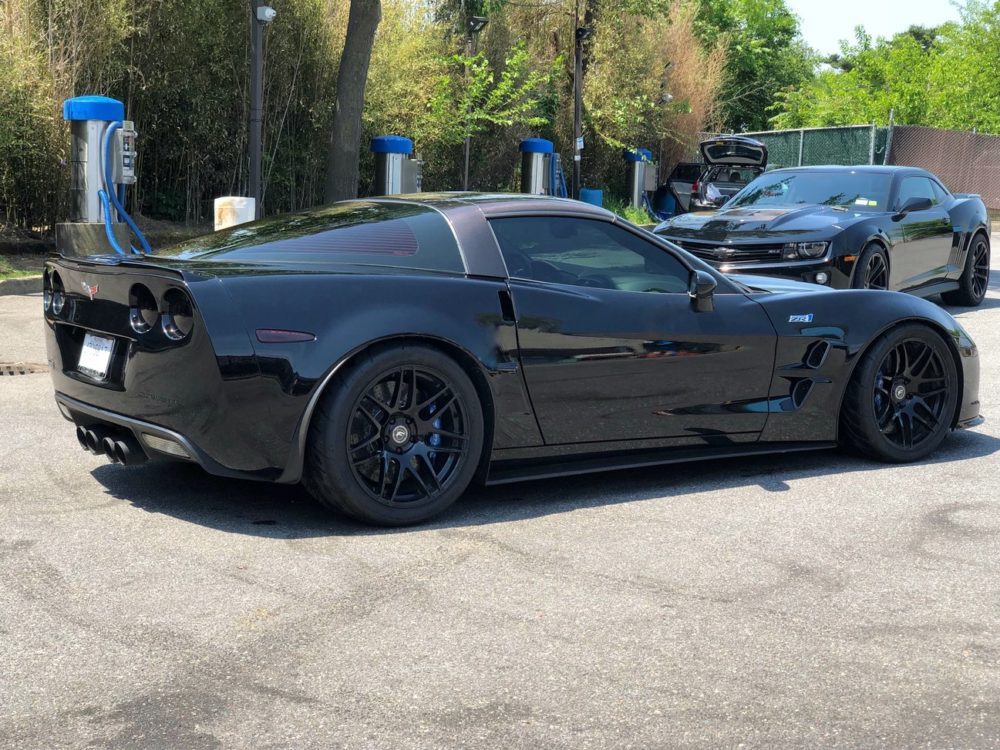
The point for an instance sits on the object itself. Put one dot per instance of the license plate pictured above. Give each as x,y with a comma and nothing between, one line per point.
95,356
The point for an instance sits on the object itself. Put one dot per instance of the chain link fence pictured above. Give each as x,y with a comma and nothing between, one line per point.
966,162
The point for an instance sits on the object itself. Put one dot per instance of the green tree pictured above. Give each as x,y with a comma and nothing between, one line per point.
765,55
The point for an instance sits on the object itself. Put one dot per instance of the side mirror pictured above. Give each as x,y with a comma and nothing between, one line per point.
913,204
702,290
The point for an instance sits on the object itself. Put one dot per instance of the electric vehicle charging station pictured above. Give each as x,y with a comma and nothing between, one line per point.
541,168
102,164
397,171
641,178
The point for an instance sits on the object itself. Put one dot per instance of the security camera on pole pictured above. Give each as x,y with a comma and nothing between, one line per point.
262,14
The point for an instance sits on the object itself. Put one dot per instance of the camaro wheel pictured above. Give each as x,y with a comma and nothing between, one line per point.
901,400
975,277
397,438
872,271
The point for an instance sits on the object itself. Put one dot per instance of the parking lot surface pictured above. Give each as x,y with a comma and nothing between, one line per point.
805,601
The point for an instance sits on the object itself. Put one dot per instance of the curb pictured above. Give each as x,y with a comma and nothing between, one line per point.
24,285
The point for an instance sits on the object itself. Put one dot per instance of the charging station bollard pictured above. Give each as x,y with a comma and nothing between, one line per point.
535,155
396,171
85,231
641,175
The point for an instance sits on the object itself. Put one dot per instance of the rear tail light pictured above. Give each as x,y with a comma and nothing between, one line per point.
694,186
142,310
177,316
46,291
58,294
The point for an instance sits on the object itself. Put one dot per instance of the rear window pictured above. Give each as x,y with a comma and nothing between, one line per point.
402,235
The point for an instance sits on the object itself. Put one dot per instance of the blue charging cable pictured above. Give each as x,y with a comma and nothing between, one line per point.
108,193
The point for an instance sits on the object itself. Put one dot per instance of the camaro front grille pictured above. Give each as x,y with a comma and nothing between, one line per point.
732,253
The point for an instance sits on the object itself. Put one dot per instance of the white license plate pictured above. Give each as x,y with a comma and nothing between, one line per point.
95,356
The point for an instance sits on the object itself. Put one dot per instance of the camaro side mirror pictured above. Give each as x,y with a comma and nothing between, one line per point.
913,204
701,291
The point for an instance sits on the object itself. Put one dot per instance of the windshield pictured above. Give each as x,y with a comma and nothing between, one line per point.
857,190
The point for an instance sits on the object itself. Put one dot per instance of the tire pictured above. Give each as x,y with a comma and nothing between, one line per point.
975,278
898,426
379,454
872,258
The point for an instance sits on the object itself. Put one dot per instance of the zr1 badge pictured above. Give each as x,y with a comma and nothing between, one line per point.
800,318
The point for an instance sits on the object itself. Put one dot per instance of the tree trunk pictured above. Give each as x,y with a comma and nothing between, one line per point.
345,134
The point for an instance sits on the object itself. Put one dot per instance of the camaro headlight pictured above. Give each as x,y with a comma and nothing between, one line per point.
796,250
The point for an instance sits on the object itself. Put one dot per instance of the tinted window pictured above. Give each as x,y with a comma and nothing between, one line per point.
940,193
686,172
735,175
915,187
587,253
383,234
858,190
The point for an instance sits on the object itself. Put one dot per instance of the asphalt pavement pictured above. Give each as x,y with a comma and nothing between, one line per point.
817,600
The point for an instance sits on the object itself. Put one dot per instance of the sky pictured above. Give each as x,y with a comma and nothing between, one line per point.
826,22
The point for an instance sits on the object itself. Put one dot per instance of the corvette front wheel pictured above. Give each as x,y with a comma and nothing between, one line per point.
901,400
397,438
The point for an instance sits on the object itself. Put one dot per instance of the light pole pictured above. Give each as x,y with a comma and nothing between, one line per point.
580,33
261,14
473,26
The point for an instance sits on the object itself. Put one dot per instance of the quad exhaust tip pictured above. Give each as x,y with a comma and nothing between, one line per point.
120,448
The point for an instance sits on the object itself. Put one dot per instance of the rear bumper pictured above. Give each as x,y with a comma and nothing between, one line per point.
88,415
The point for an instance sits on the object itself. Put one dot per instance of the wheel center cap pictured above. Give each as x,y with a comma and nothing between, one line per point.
899,392
400,434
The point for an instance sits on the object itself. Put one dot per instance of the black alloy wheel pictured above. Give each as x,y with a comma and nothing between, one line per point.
902,398
406,436
876,271
975,278
910,393
397,437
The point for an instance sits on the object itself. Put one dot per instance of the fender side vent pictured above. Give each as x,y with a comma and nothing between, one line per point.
816,354
800,391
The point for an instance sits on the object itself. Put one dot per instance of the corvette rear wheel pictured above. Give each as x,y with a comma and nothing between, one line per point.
975,277
397,438
872,271
900,402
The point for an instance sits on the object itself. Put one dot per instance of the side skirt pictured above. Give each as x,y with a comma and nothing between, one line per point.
929,290
505,472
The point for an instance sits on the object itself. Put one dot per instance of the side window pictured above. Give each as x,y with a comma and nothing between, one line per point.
940,193
915,187
584,252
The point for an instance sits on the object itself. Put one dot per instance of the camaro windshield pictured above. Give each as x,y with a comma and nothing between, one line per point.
856,190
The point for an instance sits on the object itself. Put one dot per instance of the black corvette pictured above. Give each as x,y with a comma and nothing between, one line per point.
848,227
388,352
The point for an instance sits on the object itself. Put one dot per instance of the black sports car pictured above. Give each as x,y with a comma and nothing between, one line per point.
848,227
390,351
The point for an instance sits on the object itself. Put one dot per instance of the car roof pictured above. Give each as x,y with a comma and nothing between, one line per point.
868,168
498,204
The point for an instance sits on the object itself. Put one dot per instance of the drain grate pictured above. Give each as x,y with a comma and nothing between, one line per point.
21,368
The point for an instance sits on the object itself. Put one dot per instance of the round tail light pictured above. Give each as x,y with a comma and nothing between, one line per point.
142,310
178,315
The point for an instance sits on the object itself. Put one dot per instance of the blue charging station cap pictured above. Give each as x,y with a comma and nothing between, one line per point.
639,154
93,107
391,144
535,146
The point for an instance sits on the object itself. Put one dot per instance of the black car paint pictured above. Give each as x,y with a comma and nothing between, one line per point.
926,249
716,383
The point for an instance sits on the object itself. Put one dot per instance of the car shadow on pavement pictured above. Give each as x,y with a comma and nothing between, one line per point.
288,512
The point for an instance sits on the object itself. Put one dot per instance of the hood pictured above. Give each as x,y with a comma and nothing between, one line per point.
775,285
735,150
760,223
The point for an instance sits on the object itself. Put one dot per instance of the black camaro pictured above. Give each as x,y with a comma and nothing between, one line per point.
388,352
848,227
